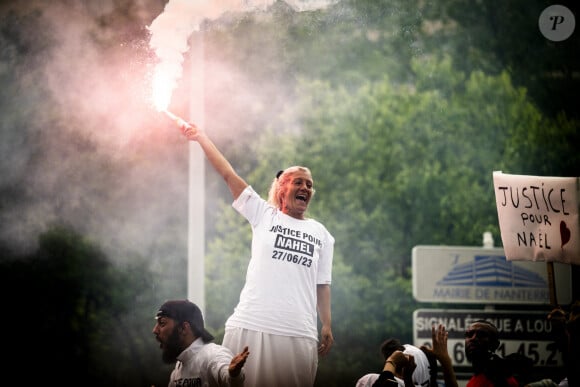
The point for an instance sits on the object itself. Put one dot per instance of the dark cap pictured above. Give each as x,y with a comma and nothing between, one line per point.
391,345
182,311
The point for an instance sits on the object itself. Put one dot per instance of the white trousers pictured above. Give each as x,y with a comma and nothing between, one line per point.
274,360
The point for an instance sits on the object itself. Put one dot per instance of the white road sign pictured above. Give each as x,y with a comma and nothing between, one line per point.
476,275
527,333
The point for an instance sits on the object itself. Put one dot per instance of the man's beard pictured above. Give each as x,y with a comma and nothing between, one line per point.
171,349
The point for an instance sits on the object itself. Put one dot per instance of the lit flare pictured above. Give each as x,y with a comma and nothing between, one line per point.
162,88
185,126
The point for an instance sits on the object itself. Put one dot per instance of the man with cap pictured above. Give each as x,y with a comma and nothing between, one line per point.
198,361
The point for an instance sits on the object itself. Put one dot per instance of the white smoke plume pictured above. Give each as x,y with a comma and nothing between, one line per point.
171,30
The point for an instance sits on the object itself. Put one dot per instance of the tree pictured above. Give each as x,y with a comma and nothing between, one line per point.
496,36
79,314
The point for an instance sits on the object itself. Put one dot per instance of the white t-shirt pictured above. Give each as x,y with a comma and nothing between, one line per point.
421,375
289,258
204,364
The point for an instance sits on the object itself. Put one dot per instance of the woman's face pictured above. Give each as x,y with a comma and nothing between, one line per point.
296,194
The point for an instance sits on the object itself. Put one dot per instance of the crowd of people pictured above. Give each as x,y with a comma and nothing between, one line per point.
488,368
424,373
272,339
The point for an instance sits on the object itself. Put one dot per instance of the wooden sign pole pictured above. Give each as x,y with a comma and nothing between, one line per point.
552,284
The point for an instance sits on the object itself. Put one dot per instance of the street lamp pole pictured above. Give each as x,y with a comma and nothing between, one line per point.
196,215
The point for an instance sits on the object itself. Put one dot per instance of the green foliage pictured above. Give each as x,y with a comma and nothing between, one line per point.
82,311
226,260
545,147
495,36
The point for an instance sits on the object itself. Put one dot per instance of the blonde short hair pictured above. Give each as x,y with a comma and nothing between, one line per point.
277,188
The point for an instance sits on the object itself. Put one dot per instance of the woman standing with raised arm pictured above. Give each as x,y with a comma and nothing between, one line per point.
287,280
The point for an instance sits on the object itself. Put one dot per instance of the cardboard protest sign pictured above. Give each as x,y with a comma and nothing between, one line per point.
538,217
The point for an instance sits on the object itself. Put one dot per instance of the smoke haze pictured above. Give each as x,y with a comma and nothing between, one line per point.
81,143
171,30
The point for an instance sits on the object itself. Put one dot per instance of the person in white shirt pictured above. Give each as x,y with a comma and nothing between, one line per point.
424,373
424,370
288,277
198,362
